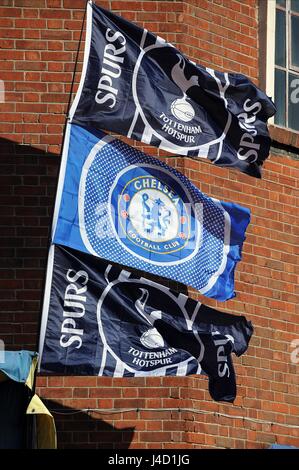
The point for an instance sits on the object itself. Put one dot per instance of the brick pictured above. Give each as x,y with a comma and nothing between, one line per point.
28,23
128,403
4,65
56,67
56,56
32,76
31,86
55,13
155,436
6,22
73,25
31,44
74,4
104,393
54,3
56,77
12,33
30,13
10,12
80,381
80,393
30,3
58,35
130,392
7,44
55,24
27,65
154,425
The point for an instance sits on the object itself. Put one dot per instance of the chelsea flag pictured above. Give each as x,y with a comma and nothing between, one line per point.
118,203
99,319
136,84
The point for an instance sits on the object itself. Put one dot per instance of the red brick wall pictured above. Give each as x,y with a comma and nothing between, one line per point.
38,45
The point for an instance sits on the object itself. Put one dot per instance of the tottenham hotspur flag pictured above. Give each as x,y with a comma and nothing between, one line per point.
136,84
99,319
120,204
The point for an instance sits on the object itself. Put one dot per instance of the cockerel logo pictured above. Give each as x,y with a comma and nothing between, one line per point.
181,108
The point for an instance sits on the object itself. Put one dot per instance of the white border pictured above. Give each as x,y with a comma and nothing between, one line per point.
270,52
46,303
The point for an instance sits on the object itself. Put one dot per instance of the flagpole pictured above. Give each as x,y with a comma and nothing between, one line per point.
76,62
64,135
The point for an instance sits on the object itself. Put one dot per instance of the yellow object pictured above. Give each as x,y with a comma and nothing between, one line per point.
30,378
19,366
45,425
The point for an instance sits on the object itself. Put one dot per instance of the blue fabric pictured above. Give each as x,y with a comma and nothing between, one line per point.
125,206
17,364
280,446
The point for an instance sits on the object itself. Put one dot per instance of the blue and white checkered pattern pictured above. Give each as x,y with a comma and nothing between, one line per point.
85,222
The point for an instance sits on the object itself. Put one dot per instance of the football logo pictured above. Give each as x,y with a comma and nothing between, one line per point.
153,216
140,348
181,123
140,212
181,108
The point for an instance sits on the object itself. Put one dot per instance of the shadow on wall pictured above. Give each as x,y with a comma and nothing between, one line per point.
27,187
27,190
76,429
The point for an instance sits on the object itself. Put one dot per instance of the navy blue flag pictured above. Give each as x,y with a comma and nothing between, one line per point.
122,205
136,84
99,319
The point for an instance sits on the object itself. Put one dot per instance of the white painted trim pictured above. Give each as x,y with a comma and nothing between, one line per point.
61,176
46,303
85,59
270,56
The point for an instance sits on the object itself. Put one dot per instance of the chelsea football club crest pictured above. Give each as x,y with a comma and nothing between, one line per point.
153,215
